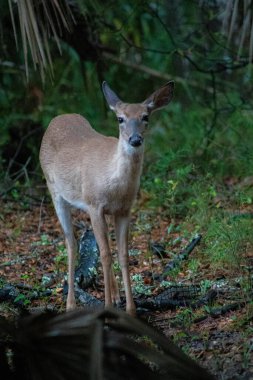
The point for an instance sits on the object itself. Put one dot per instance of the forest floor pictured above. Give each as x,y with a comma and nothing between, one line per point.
32,248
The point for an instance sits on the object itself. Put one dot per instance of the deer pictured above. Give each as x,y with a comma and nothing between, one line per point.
100,175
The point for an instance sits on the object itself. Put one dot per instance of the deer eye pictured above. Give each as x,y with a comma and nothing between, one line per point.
144,118
120,120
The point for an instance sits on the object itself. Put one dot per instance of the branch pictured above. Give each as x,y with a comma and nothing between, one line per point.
12,160
20,173
154,73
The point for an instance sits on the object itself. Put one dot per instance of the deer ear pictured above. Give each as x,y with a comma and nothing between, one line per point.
110,96
161,97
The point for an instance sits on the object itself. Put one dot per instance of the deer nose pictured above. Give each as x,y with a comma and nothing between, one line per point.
135,140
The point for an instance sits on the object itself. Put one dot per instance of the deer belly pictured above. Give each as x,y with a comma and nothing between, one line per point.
81,205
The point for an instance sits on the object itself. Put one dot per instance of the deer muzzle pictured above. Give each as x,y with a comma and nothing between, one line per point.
135,140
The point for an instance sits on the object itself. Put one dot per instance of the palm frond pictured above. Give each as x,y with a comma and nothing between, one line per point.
101,345
40,22
238,25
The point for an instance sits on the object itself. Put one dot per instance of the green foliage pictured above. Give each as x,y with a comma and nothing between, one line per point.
22,297
205,128
184,318
184,173
138,285
226,240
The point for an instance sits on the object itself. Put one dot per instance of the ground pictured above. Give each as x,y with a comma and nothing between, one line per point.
32,250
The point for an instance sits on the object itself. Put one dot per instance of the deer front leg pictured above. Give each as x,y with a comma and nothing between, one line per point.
121,229
101,234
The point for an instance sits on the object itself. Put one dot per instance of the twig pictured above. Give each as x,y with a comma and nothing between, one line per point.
17,261
40,218
19,174
12,160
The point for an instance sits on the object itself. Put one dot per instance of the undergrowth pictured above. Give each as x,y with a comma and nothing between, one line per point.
206,184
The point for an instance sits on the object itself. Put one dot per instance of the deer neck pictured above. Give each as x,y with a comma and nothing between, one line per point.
129,160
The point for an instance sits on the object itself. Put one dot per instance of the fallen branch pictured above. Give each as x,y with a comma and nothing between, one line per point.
86,271
177,296
11,293
183,255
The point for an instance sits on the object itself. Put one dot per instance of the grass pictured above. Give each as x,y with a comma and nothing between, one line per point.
206,190
226,240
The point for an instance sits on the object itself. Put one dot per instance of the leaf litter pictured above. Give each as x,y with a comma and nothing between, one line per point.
32,247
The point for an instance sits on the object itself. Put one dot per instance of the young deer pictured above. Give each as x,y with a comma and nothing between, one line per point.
99,175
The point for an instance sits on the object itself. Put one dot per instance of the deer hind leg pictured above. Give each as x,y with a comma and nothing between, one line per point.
64,215
101,234
114,289
121,229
